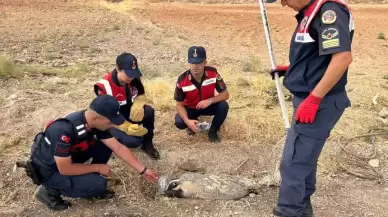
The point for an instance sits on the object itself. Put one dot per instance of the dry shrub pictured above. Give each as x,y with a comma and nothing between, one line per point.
381,35
9,143
161,92
252,65
117,5
7,68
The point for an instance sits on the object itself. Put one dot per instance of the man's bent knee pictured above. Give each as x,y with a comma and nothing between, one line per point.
132,141
222,106
127,140
86,186
179,122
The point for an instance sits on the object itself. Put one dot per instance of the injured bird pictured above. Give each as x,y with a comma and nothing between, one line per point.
209,187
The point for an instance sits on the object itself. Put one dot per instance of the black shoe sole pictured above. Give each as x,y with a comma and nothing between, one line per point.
64,205
280,215
58,208
214,140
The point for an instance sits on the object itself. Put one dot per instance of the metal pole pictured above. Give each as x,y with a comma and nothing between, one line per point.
273,63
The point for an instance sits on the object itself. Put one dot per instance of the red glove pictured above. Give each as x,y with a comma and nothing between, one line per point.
307,109
281,70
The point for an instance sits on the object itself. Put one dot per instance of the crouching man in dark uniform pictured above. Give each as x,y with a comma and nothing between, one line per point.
60,151
195,95
320,55
125,85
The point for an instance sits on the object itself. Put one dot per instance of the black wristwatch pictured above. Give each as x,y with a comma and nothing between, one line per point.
144,170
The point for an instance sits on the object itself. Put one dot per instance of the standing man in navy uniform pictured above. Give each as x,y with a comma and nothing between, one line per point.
195,95
59,153
125,85
320,55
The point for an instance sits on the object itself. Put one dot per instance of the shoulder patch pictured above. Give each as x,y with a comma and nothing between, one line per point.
330,38
65,138
62,148
329,17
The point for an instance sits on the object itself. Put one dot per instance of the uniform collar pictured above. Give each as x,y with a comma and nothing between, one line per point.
83,119
300,14
308,5
205,75
115,79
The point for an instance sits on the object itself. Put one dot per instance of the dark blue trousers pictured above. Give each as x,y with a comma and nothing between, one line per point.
136,141
219,110
302,149
87,185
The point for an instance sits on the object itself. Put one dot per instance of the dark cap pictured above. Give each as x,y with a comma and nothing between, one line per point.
128,63
269,1
108,106
196,54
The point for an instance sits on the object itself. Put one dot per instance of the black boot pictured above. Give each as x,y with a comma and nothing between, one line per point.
51,198
108,194
149,149
212,135
276,212
308,212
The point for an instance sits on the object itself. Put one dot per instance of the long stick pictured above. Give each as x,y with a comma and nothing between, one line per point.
273,63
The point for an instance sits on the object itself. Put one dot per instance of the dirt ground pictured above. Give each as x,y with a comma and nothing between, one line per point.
61,48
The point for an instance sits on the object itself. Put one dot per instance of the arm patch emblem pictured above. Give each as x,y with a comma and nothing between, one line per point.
329,17
330,38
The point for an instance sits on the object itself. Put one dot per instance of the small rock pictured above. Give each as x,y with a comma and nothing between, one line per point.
196,207
374,162
14,168
20,60
7,174
252,195
383,113
13,96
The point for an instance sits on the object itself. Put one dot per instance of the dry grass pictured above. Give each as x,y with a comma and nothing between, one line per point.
252,65
254,114
7,68
117,6
381,35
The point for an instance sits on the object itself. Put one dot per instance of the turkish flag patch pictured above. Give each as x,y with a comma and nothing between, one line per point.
65,138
